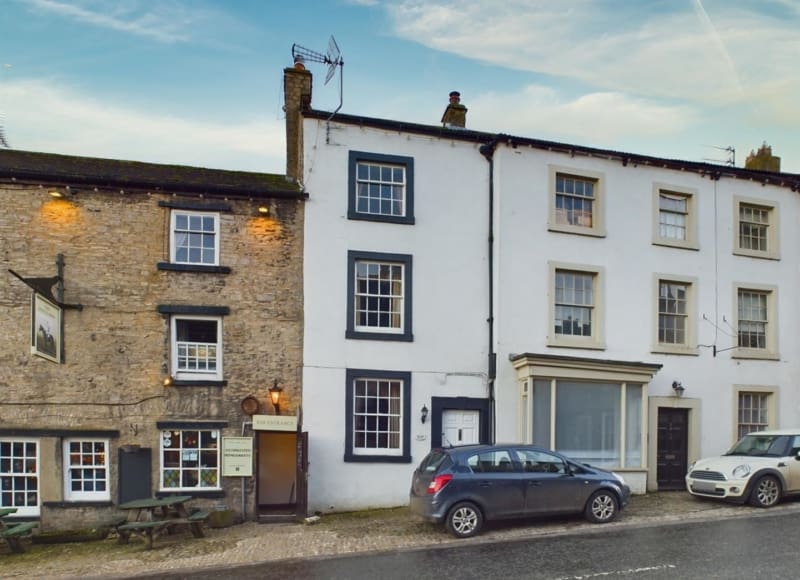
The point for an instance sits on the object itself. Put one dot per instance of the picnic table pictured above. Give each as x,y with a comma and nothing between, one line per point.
12,532
151,517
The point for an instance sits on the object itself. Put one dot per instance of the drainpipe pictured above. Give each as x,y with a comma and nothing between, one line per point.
487,150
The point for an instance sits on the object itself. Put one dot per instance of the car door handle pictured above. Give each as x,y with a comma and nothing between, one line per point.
486,484
536,483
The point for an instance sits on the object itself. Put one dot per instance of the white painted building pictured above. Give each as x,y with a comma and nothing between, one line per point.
633,312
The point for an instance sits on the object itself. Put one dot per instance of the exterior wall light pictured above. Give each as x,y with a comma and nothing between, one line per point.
263,210
678,388
167,381
275,396
423,414
55,194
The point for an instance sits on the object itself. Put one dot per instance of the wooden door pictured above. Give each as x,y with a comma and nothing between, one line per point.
673,438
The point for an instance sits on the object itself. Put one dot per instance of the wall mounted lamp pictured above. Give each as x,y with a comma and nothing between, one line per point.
263,210
678,388
423,414
167,381
275,396
56,194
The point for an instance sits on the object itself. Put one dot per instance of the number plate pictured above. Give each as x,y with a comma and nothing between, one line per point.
704,486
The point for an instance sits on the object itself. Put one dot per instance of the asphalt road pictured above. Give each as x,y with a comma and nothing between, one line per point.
755,547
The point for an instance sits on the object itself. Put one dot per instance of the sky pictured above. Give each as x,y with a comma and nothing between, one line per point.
199,82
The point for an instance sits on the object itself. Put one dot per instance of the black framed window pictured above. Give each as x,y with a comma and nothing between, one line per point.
378,416
381,187
379,296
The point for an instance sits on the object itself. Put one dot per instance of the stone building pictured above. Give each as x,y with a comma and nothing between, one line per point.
146,310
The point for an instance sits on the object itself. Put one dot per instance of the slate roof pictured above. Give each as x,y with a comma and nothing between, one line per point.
711,170
63,170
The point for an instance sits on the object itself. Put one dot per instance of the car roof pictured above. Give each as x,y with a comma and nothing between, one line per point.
490,446
777,432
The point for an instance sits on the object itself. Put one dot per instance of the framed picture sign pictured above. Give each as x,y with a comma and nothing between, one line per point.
45,328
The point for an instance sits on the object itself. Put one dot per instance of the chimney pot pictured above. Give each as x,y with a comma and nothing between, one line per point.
455,115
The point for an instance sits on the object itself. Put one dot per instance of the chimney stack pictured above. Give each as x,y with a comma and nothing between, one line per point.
763,160
455,115
296,98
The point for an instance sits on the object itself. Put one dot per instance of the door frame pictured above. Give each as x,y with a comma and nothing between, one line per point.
441,404
693,434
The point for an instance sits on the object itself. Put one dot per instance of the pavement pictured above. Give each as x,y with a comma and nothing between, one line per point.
333,535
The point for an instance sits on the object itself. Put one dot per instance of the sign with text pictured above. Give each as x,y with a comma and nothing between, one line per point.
237,456
274,423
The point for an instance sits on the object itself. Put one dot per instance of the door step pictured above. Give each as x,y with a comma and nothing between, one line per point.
276,518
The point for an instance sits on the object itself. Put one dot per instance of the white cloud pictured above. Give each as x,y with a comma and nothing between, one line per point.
41,116
703,53
602,118
163,21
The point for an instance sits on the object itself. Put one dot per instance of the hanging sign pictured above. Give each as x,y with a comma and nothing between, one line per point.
45,328
237,456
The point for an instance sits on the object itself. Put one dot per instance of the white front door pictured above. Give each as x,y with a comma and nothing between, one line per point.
460,427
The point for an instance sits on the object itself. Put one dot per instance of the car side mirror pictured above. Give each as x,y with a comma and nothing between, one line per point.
797,455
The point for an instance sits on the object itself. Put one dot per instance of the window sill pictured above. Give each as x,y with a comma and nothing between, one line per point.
360,335
679,350
677,245
78,503
170,267
589,344
578,230
389,219
198,383
756,254
196,493
353,458
751,354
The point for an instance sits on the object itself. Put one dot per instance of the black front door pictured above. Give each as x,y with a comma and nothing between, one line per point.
673,436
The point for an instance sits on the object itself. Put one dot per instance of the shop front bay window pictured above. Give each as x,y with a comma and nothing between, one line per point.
598,419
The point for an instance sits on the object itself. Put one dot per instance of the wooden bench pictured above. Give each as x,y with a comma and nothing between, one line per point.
14,533
150,530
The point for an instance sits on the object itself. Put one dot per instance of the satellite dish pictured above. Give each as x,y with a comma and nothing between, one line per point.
333,58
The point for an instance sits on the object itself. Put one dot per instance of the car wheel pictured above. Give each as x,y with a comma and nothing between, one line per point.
602,507
464,520
766,492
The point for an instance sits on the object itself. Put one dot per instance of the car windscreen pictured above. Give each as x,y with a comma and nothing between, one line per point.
761,445
433,461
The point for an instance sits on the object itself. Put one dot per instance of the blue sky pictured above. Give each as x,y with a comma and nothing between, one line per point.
199,82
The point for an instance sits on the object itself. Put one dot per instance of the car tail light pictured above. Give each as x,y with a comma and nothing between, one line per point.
439,482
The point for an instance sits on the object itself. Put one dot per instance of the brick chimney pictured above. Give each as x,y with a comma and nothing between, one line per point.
296,98
455,115
763,160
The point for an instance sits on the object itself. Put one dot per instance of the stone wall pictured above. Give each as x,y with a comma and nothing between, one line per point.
116,349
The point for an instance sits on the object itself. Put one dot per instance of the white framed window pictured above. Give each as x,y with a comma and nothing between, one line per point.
675,328
19,475
378,416
194,238
756,408
674,217
756,322
576,306
196,347
381,187
86,474
756,228
576,201
379,296
190,459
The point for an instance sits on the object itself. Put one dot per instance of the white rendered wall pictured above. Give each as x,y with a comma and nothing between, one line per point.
448,356
629,260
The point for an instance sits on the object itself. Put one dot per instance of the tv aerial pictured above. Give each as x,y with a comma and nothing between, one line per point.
333,58
730,150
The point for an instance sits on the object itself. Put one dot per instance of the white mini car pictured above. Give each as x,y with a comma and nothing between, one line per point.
760,469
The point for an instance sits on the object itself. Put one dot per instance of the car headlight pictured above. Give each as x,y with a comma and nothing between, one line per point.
689,469
741,471
618,477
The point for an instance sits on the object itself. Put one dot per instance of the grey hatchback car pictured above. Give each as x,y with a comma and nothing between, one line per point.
465,486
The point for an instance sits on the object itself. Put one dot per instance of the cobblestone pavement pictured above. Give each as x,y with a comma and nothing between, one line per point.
375,530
